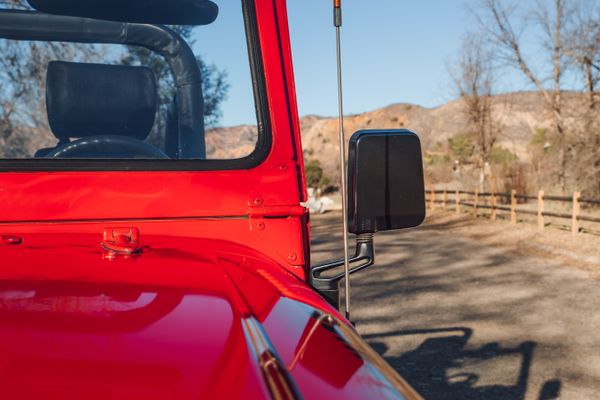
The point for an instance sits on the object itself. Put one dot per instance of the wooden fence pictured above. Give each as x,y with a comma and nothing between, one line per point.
516,207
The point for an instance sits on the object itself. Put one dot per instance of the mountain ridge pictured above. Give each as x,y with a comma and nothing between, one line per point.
520,114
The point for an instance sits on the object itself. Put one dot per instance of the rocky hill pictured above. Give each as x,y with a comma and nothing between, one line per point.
520,114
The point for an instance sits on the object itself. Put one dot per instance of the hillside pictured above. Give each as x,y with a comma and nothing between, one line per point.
520,113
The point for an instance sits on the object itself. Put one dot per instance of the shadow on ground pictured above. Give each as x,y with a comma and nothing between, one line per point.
462,320
434,367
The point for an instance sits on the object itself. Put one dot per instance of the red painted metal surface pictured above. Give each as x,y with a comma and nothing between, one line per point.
159,285
274,187
166,323
156,326
10,240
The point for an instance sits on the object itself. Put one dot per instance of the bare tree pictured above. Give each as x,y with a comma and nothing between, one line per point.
498,21
473,77
583,48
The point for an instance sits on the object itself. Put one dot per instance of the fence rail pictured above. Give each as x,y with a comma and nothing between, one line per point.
515,205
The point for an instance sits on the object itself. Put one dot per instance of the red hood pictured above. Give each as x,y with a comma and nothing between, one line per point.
166,324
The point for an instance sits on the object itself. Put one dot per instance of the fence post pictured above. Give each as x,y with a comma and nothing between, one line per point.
476,203
576,211
432,200
494,204
513,207
457,201
445,207
540,215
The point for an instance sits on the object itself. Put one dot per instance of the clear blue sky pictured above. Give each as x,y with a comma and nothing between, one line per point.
394,51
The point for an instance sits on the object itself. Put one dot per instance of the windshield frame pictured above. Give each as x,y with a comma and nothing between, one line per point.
258,155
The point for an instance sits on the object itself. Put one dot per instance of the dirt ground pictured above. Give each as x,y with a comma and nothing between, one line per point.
480,310
580,251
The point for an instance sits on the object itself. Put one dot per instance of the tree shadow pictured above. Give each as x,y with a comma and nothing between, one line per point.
439,367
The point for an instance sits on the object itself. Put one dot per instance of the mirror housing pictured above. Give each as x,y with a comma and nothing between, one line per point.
167,12
386,189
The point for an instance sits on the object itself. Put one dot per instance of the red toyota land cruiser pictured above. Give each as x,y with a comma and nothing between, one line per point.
145,254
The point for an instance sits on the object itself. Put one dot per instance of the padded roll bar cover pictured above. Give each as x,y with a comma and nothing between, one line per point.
85,100
32,25
166,12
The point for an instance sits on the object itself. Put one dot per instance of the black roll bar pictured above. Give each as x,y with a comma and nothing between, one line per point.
34,26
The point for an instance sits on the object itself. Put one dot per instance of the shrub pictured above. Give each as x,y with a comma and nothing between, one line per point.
315,177
502,156
461,146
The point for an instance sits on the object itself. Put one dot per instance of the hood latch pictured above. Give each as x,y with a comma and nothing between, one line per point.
122,241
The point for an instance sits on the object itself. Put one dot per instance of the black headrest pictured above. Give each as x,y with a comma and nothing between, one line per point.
93,99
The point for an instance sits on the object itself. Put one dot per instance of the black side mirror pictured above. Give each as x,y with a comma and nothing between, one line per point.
386,189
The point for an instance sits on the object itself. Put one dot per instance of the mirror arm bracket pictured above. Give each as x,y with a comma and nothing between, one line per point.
364,255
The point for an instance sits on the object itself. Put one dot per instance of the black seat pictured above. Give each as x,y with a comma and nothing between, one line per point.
85,100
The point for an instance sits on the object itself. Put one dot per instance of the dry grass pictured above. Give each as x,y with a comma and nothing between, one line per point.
581,251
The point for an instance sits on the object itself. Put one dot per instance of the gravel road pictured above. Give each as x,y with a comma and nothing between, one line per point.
462,320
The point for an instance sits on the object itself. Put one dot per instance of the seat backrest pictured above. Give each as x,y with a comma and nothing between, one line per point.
86,100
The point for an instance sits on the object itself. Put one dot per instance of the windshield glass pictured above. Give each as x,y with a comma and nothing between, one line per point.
110,99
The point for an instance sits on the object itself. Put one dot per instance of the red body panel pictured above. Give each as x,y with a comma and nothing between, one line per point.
167,323
221,275
273,188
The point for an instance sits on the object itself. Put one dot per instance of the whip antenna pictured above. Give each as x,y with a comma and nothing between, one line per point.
337,22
